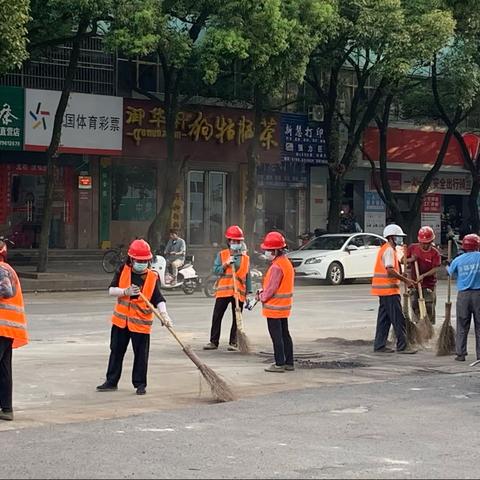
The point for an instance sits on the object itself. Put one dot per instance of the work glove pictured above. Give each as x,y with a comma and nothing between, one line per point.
250,303
257,295
166,320
132,291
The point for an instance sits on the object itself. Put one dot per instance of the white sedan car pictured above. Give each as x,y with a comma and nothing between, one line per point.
337,257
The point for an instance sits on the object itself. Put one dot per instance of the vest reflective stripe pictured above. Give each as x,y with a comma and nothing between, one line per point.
12,307
13,322
382,283
280,305
134,314
225,282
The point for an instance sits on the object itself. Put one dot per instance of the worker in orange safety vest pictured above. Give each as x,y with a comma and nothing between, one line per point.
386,285
13,329
233,256
277,299
132,318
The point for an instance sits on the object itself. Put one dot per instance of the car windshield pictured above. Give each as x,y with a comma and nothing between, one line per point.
326,242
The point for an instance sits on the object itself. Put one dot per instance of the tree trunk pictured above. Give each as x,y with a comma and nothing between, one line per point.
158,229
53,147
473,204
336,192
252,159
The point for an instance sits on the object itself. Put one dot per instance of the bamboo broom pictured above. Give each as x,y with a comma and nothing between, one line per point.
221,391
242,340
446,337
425,327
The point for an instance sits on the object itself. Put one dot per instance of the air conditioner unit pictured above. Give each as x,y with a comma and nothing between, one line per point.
315,113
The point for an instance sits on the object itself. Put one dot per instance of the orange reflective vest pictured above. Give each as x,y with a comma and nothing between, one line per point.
13,323
280,305
134,313
382,284
225,281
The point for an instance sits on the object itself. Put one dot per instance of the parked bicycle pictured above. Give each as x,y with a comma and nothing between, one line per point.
113,258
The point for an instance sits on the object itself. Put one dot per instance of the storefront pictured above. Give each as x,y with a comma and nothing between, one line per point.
411,154
212,143
92,125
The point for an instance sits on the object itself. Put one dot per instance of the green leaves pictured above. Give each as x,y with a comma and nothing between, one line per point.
14,15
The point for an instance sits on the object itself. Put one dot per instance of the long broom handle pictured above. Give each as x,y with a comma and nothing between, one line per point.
449,281
419,284
157,314
404,261
235,288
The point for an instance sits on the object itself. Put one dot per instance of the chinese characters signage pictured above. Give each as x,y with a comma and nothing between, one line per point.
446,183
374,213
301,142
11,118
282,175
91,124
144,122
432,203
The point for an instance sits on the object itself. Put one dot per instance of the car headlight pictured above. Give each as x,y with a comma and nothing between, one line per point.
313,260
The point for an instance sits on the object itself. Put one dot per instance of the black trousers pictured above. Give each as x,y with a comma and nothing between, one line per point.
390,313
468,305
221,305
119,340
282,341
6,383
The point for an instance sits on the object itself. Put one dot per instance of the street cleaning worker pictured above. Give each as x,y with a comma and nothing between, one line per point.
132,319
235,253
429,261
13,329
386,285
277,299
466,269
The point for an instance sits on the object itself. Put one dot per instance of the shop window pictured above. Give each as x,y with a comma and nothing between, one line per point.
206,207
133,193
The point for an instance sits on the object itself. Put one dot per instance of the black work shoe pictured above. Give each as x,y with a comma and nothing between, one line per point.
141,391
6,415
106,387
460,358
384,350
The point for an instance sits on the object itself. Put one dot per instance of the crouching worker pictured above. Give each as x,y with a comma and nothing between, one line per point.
132,318
277,299
13,329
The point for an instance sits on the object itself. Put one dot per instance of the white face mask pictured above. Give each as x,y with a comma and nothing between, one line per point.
269,255
236,247
139,267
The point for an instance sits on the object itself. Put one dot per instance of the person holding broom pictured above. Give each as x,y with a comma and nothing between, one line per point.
429,261
235,254
277,299
466,269
386,285
132,318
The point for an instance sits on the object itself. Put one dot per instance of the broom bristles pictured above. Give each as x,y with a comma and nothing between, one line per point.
425,329
446,337
413,334
221,391
243,342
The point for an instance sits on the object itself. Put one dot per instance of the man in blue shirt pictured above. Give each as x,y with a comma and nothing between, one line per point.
466,269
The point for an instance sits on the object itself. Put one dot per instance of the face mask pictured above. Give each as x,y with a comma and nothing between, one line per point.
236,247
269,255
139,267
398,240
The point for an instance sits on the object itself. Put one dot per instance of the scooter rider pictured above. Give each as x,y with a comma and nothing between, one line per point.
234,254
132,319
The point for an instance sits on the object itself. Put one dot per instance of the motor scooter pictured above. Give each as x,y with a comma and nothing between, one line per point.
187,278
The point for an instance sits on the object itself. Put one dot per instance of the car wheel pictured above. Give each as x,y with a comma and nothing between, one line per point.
335,273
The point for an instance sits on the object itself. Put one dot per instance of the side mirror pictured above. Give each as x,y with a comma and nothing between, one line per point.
351,248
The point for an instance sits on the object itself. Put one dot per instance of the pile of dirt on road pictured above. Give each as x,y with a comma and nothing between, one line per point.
344,342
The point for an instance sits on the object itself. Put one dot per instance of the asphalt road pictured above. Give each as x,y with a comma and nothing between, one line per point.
421,427
393,417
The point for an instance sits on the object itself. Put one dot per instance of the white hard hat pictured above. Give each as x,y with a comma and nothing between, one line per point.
393,231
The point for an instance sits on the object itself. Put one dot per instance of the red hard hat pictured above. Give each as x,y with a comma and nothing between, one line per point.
426,235
273,241
234,232
140,250
471,242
